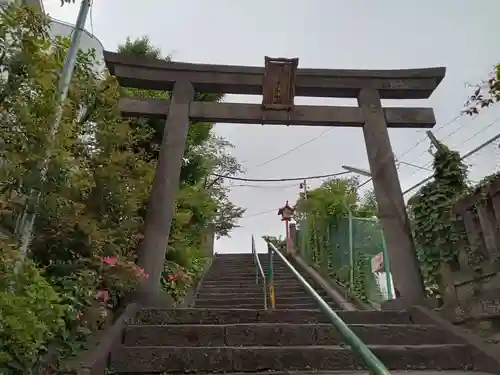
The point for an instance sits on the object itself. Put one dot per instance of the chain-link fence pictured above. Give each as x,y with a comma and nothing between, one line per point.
350,250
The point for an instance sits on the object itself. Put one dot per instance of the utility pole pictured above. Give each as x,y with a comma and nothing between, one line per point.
303,185
29,214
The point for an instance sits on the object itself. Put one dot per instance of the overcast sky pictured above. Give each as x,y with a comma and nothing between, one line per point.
350,34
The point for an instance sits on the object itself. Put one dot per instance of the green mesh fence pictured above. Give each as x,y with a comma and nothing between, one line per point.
350,251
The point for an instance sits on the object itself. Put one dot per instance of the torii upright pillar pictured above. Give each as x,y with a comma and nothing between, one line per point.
391,206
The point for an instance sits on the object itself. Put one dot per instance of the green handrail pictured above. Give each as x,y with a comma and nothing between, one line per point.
358,346
270,277
259,269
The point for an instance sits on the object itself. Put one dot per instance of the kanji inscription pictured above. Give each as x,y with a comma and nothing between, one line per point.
279,83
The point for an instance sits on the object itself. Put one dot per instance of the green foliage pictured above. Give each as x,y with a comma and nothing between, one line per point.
279,242
96,186
202,202
322,220
30,314
362,271
436,229
486,94
93,203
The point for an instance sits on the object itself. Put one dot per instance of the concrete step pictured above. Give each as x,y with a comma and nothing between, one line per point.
271,334
248,283
243,278
229,294
247,275
171,359
301,300
232,316
248,289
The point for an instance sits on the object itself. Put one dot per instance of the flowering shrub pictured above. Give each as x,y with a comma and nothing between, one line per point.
117,276
176,280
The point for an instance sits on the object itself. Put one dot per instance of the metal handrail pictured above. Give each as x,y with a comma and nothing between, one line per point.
259,269
359,347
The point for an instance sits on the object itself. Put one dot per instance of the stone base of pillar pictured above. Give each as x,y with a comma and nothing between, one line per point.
400,304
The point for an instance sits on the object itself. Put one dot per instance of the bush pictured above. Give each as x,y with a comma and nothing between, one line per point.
30,313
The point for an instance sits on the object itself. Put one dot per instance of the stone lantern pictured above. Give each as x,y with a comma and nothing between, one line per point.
286,213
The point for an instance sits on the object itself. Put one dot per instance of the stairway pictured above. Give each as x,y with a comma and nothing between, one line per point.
231,283
228,331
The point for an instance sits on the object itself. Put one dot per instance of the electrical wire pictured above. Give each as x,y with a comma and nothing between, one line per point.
364,183
429,164
442,126
292,149
260,213
280,179
275,187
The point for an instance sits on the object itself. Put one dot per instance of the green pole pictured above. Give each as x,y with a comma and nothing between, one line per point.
270,276
387,268
351,251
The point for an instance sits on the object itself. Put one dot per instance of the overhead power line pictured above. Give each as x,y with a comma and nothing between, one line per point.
280,179
266,187
292,149
260,213
471,152
429,164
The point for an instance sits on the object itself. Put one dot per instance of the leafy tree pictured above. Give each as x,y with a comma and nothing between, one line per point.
90,202
278,241
202,203
90,215
486,94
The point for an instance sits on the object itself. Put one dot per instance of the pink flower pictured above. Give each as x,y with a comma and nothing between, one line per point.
102,295
140,272
176,276
78,315
109,260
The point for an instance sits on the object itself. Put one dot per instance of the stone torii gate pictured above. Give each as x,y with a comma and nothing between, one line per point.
279,81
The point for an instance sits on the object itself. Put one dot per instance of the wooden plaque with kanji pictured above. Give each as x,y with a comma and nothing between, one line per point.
278,85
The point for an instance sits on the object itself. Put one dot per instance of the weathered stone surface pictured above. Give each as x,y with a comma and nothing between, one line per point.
420,357
223,277
240,340
195,316
226,359
307,115
225,79
231,316
230,294
386,334
176,335
280,334
255,301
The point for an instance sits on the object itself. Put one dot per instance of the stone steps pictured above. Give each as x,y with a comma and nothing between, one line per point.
236,301
245,278
228,331
233,316
279,334
176,359
283,293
